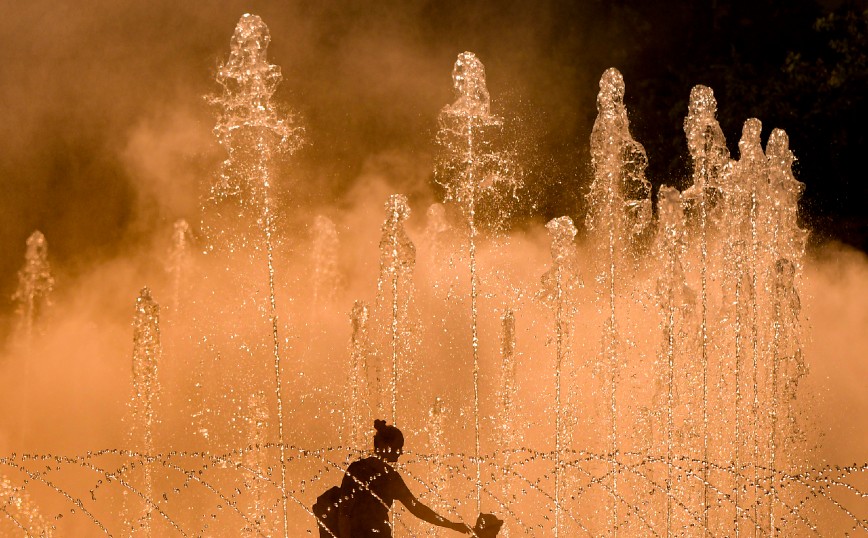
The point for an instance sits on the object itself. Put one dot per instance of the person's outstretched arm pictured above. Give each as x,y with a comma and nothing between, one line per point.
423,512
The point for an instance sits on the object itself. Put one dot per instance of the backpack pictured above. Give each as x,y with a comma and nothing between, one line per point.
487,526
326,512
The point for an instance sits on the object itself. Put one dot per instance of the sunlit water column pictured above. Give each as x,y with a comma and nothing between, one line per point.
360,407
465,173
147,353
786,244
672,296
395,293
179,266
179,263
559,285
33,298
751,180
507,392
733,344
255,133
35,283
324,286
737,207
710,157
619,209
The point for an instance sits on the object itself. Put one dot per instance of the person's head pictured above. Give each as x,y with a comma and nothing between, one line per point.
388,441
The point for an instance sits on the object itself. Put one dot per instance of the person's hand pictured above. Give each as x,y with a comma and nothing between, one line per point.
461,527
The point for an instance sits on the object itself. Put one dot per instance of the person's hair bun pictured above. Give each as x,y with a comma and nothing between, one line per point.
380,425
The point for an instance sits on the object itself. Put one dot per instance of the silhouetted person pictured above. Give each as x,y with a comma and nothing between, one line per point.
371,485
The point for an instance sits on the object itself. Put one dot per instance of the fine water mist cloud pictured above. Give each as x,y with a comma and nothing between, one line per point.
166,157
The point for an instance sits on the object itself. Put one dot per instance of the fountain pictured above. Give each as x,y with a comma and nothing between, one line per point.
35,283
642,381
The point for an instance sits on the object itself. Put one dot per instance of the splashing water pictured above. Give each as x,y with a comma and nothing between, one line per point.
21,514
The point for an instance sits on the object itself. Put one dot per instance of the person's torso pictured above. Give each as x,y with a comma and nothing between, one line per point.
374,490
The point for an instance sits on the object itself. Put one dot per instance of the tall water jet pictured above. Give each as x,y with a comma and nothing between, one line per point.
255,134
619,208
179,267
742,195
506,428
147,355
675,300
736,337
35,283
710,156
323,287
180,261
33,298
438,238
471,171
734,330
395,296
784,255
559,287
360,407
